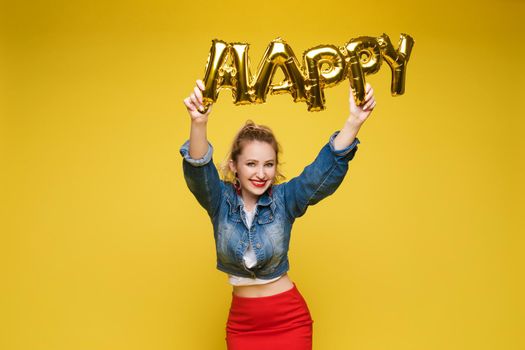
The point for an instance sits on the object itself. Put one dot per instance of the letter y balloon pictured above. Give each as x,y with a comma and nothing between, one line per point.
322,66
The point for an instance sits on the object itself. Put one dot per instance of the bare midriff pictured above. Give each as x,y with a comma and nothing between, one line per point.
263,290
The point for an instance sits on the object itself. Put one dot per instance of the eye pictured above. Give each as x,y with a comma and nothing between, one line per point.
250,163
269,165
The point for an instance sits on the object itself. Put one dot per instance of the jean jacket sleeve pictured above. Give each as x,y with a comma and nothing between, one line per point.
202,178
319,179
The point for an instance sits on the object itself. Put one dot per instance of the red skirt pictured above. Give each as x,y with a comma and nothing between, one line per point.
279,322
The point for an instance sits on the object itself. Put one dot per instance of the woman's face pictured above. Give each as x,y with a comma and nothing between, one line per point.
256,168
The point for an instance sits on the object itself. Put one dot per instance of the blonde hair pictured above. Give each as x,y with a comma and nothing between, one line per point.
251,132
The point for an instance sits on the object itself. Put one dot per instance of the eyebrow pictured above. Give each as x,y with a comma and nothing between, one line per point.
255,160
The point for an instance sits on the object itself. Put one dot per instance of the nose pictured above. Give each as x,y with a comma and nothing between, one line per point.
261,172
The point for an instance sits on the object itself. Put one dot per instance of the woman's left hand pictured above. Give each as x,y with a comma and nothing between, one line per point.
359,114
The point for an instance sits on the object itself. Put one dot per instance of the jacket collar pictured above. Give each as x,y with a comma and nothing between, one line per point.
235,200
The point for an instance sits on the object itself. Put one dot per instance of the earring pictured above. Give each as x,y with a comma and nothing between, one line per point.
237,184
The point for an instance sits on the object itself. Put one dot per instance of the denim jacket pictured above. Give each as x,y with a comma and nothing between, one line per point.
275,212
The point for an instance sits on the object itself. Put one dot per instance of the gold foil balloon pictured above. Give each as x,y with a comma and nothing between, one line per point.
212,80
363,57
241,94
397,60
279,55
323,66
227,67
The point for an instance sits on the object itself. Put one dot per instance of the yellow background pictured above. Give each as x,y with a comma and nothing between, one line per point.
103,246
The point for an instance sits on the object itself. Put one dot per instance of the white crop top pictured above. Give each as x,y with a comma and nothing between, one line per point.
250,260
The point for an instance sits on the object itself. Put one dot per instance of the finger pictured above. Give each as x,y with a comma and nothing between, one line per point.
369,94
198,106
368,104
368,87
200,84
189,104
195,101
371,106
368,100
198,94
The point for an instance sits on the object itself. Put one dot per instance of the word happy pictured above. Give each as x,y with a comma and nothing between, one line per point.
322,66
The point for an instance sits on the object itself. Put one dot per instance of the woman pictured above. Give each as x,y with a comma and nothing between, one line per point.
252,216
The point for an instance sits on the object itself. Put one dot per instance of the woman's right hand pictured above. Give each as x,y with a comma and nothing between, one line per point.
194,103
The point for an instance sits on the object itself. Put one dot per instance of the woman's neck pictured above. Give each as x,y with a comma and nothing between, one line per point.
249,202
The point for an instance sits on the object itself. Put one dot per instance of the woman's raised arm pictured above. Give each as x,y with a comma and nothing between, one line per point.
322,177
199,122
200,173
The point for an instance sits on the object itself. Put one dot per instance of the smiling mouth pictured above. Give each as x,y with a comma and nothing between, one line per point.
258,183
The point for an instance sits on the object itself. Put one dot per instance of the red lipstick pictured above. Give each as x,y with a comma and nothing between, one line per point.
258,183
